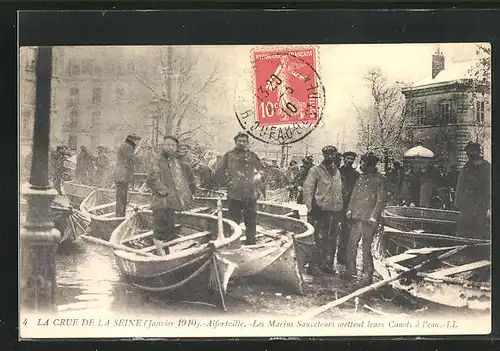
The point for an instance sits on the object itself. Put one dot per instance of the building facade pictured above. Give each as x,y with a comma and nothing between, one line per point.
445,112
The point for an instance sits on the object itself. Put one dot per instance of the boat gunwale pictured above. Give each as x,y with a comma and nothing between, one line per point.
381,257
309,231
212,245
100,218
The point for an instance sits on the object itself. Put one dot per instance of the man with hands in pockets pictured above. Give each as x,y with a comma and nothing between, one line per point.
365,208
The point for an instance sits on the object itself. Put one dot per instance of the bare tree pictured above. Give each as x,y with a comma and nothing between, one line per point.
177,88
480,92
380,124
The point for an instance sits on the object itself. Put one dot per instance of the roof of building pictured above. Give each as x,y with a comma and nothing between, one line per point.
453,71
418,152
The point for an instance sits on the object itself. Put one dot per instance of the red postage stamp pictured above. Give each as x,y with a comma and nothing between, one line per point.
286,86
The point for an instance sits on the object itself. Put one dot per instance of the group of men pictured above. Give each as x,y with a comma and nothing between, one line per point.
344,205
93,170
173,183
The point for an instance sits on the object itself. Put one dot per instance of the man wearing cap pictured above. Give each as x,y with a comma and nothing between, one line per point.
473,195
365,208
323,198
124,172
172,183
349,176
244,174
307,164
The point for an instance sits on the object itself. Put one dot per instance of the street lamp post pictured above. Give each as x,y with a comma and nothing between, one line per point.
38,237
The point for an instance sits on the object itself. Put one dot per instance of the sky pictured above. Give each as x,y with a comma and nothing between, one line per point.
341,68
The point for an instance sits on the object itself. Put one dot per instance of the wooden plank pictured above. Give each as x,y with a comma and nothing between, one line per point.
103,206
428,250
138,236
459,269
398,258
177,241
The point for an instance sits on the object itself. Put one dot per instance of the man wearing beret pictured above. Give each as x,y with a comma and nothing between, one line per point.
473,195
349,176
244,173
365,208
323,198
124,172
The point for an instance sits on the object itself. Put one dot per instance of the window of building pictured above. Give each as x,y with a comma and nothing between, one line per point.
73,119
131,67
98,69
420,113
72,142
479,112
120,93
445,112
97,95
87,67
462,107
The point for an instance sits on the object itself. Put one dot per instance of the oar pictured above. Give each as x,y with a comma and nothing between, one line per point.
113,246
220,226
379,284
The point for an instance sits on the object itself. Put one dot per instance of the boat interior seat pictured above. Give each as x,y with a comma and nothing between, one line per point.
190,238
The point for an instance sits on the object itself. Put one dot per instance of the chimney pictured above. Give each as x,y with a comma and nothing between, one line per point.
437,63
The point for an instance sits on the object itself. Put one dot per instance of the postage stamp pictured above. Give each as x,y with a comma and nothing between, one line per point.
288,96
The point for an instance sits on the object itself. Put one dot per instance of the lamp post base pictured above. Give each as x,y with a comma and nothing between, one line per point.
38,244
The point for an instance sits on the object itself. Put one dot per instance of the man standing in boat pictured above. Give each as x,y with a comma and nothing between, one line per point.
365,208
124,172
244,171
323,198
173,184
473,195
349,176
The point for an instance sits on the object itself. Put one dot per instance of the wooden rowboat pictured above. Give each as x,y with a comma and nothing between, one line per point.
193,268
273,257
76,192
70,222
418,218
461,281
100,206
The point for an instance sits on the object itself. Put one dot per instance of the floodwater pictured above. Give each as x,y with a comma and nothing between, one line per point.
89,279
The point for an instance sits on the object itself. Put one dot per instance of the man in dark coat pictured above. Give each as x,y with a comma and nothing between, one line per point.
58,158
323,198
244,171
473,195
292,171
103,166
365,208
394,183
307,164
124,172
173,184
205,175
84,166
349,176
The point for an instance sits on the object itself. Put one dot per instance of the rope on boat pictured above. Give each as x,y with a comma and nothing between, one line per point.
177,285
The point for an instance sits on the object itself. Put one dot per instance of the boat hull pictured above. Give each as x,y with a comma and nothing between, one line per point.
275,263
448,292
194,273
417,218
283,216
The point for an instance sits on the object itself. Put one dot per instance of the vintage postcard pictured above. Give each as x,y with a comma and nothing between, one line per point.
255,191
